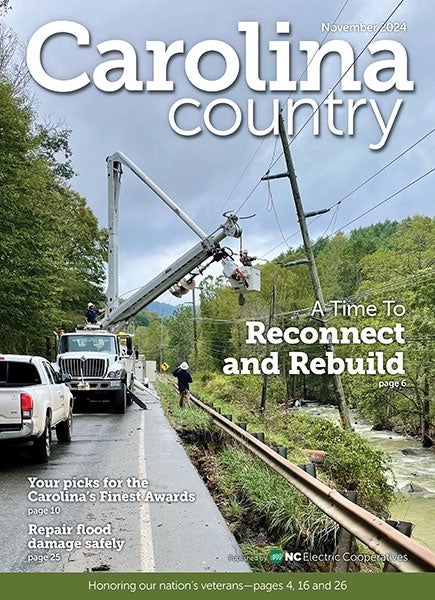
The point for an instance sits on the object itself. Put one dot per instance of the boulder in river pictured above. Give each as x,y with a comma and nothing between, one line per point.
412,488
427,442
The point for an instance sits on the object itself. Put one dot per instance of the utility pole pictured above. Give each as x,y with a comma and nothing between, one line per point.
161,341
271,317
310,260
195,330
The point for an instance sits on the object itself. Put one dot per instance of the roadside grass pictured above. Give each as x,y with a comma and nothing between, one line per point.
262,510
189,417
289,518
350,462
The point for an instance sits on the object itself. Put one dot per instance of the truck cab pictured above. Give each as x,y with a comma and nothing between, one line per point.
96,360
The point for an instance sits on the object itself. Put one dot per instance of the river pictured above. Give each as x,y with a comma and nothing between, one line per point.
417,466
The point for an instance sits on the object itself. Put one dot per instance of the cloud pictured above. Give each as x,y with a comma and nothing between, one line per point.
208,174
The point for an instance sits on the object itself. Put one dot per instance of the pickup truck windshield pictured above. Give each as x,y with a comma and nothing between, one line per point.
87,343
18,374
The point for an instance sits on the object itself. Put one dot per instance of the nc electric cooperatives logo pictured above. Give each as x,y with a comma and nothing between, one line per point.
277,556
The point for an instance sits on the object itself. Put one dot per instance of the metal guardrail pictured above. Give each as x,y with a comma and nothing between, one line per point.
375,533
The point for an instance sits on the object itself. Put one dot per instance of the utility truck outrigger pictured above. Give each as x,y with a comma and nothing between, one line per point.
100,372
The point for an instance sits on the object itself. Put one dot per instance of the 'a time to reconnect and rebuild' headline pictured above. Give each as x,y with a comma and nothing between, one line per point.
374,363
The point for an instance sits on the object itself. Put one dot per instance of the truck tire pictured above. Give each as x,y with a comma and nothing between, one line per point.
120,400
41,446
64,429
130,391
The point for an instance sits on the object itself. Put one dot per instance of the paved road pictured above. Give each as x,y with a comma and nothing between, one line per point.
95,507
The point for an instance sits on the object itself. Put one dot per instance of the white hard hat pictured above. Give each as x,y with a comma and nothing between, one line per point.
184,366
90,304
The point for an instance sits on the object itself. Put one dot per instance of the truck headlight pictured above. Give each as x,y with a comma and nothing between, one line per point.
115,374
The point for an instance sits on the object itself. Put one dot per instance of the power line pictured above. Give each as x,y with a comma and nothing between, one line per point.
294,137
273,208
314,55
385,166
332,221
276,141
408,149
392,284
402,189
321,104
239,180
397,285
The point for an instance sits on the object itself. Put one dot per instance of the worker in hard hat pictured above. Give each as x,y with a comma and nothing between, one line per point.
246,260
92,313
184,378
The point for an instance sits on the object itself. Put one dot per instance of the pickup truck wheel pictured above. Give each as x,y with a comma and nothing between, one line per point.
41,446
64,429
120,400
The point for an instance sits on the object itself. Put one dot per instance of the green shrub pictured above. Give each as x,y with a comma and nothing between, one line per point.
350,462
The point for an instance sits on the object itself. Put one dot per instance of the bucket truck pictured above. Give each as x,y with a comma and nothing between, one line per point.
100,358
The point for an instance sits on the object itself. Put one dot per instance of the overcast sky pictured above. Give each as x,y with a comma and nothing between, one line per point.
208,174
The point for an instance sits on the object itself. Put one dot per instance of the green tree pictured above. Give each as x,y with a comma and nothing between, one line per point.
51,249
144,318
218,309
338,261
53,146
152,340
4,6
180,333
13,67
402,273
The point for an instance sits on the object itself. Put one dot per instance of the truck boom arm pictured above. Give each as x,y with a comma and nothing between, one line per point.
115,317
117,313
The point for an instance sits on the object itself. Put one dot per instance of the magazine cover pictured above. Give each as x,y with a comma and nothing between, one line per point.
217,261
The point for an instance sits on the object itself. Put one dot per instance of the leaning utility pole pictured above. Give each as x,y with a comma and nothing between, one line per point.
291,174
195,329
271,317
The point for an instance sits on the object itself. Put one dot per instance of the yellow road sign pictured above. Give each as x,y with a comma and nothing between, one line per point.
164,366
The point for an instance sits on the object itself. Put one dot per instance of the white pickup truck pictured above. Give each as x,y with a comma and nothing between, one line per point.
33,400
